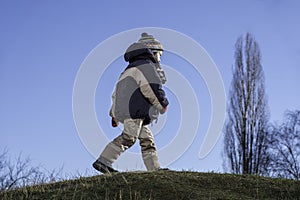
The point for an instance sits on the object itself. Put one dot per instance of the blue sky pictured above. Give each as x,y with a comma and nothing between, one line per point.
43,44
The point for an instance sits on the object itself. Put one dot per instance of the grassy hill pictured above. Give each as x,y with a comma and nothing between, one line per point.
162,185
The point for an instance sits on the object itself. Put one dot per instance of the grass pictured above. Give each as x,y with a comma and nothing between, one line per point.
162,185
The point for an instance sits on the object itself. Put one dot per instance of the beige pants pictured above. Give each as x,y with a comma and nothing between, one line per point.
133,130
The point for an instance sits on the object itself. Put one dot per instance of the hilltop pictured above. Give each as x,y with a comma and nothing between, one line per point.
162,185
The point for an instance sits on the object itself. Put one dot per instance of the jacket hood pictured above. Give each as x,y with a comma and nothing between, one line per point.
138,50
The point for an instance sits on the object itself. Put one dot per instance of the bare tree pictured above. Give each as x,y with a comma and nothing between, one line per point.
2,168
246,135
19,173
286,147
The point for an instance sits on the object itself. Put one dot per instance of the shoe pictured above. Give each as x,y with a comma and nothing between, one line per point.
99,166
163,169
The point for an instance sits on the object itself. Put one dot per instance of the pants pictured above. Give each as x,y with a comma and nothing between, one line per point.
133,130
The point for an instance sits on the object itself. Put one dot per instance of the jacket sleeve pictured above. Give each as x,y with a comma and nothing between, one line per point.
151,87
112,109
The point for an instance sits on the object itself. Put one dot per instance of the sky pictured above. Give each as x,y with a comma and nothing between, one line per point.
44,43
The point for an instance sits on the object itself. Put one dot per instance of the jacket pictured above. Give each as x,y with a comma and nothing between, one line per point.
138,93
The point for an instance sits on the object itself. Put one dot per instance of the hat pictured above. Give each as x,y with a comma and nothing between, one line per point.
151,42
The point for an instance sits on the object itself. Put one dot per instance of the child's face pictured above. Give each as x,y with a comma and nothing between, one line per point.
157,55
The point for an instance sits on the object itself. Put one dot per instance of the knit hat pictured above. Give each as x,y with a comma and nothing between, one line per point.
151,42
